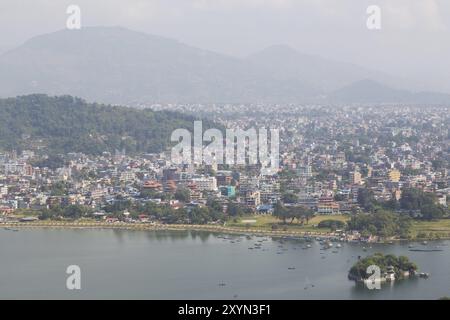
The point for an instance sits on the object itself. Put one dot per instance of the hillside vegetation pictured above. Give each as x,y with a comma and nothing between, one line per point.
67,124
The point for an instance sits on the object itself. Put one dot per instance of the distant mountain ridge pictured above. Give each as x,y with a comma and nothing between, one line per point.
369,91
119,66
324,74
3,48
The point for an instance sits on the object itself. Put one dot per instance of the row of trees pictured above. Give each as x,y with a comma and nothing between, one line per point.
412,200
69,212
194,215
300,213
381,223
332,224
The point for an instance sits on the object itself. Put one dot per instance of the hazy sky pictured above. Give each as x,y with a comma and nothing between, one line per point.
414,40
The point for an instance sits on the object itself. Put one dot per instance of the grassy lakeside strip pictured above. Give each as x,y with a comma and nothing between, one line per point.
163,227
420,230
431,230
266,222
262,225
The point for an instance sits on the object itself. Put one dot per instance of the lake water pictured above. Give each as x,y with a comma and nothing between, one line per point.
119,264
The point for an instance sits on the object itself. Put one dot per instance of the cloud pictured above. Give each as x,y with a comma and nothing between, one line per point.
241,4
419,15
414,32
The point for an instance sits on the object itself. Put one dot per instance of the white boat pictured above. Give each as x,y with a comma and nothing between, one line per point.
328,245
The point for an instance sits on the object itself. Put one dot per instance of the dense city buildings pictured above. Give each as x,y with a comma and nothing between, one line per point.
330,156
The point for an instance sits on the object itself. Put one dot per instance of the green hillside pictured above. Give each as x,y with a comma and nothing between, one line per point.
67,124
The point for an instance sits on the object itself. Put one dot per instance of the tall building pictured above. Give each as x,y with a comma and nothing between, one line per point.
369,171
224,178
394,175
3,190
228,191
355,177
248,184
252,198
327,205
205,183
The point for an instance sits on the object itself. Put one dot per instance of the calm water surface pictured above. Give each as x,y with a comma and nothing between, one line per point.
119,264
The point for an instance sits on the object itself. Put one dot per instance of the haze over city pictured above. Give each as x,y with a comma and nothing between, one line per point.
412,43
225,149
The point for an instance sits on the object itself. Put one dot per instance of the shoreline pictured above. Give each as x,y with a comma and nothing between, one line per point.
188,227
163,227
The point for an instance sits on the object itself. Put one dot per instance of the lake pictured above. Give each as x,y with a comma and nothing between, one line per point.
123,264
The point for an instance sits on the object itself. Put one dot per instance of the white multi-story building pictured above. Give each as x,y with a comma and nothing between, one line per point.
248,184
3,190
127,176
252,198
205,183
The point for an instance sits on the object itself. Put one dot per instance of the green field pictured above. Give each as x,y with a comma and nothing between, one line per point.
431,229
420,229
439,229
265,222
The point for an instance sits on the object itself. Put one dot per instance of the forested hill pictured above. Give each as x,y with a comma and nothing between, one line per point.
66,124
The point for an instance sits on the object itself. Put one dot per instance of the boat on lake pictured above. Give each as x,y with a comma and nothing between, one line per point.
426,250
328,245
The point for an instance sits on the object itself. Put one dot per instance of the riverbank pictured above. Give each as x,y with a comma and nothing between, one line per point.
233,229
163,227
420,230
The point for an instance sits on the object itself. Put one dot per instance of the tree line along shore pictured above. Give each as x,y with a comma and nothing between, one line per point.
318,226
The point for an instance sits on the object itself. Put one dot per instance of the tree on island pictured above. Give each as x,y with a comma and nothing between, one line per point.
400,265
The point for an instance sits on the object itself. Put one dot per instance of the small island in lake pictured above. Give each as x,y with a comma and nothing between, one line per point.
391,267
